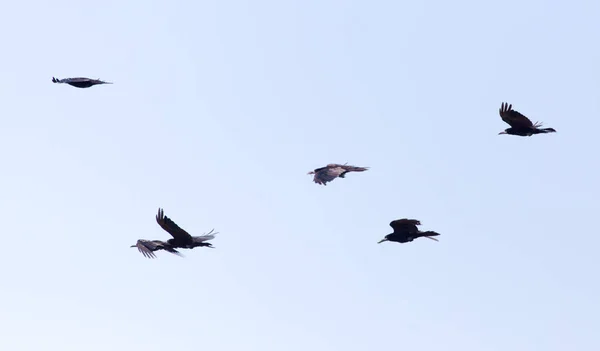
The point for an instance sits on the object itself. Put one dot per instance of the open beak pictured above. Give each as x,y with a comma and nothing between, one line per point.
428,237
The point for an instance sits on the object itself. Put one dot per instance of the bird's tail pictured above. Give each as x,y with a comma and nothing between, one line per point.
539,130
355,169
543,130
430,235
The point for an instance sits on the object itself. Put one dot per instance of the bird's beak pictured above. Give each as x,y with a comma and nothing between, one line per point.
132,246
310,172
382,240
501,133
428,237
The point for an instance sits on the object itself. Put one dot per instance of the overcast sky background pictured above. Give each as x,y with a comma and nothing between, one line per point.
217,112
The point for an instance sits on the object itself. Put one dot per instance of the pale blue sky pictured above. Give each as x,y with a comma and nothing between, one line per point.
217,112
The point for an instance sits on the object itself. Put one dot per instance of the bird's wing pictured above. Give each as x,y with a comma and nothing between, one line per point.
146,247
405,225
171,227
514,118
327,174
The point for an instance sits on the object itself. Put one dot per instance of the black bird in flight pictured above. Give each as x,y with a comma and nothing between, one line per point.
79,82
405,230
328,173
519,124
181,239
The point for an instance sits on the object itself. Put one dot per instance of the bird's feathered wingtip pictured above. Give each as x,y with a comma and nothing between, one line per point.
505,107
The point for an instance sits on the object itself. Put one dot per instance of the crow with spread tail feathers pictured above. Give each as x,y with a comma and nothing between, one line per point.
80,82
328,173
181,239
519,124
405,230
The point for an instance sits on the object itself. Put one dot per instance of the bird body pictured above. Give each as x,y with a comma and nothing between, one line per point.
80,82
328,173
519,124
405,230
181,239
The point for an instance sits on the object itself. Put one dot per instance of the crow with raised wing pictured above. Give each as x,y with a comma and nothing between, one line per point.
181,238
147,247
405,230
80,82
519,124
328,173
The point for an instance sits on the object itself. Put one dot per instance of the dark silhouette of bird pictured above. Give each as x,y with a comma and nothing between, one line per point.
80,82
147,247
405,230
519,124
328,173
181,239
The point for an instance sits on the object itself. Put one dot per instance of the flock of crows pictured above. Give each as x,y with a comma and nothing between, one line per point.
405,230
